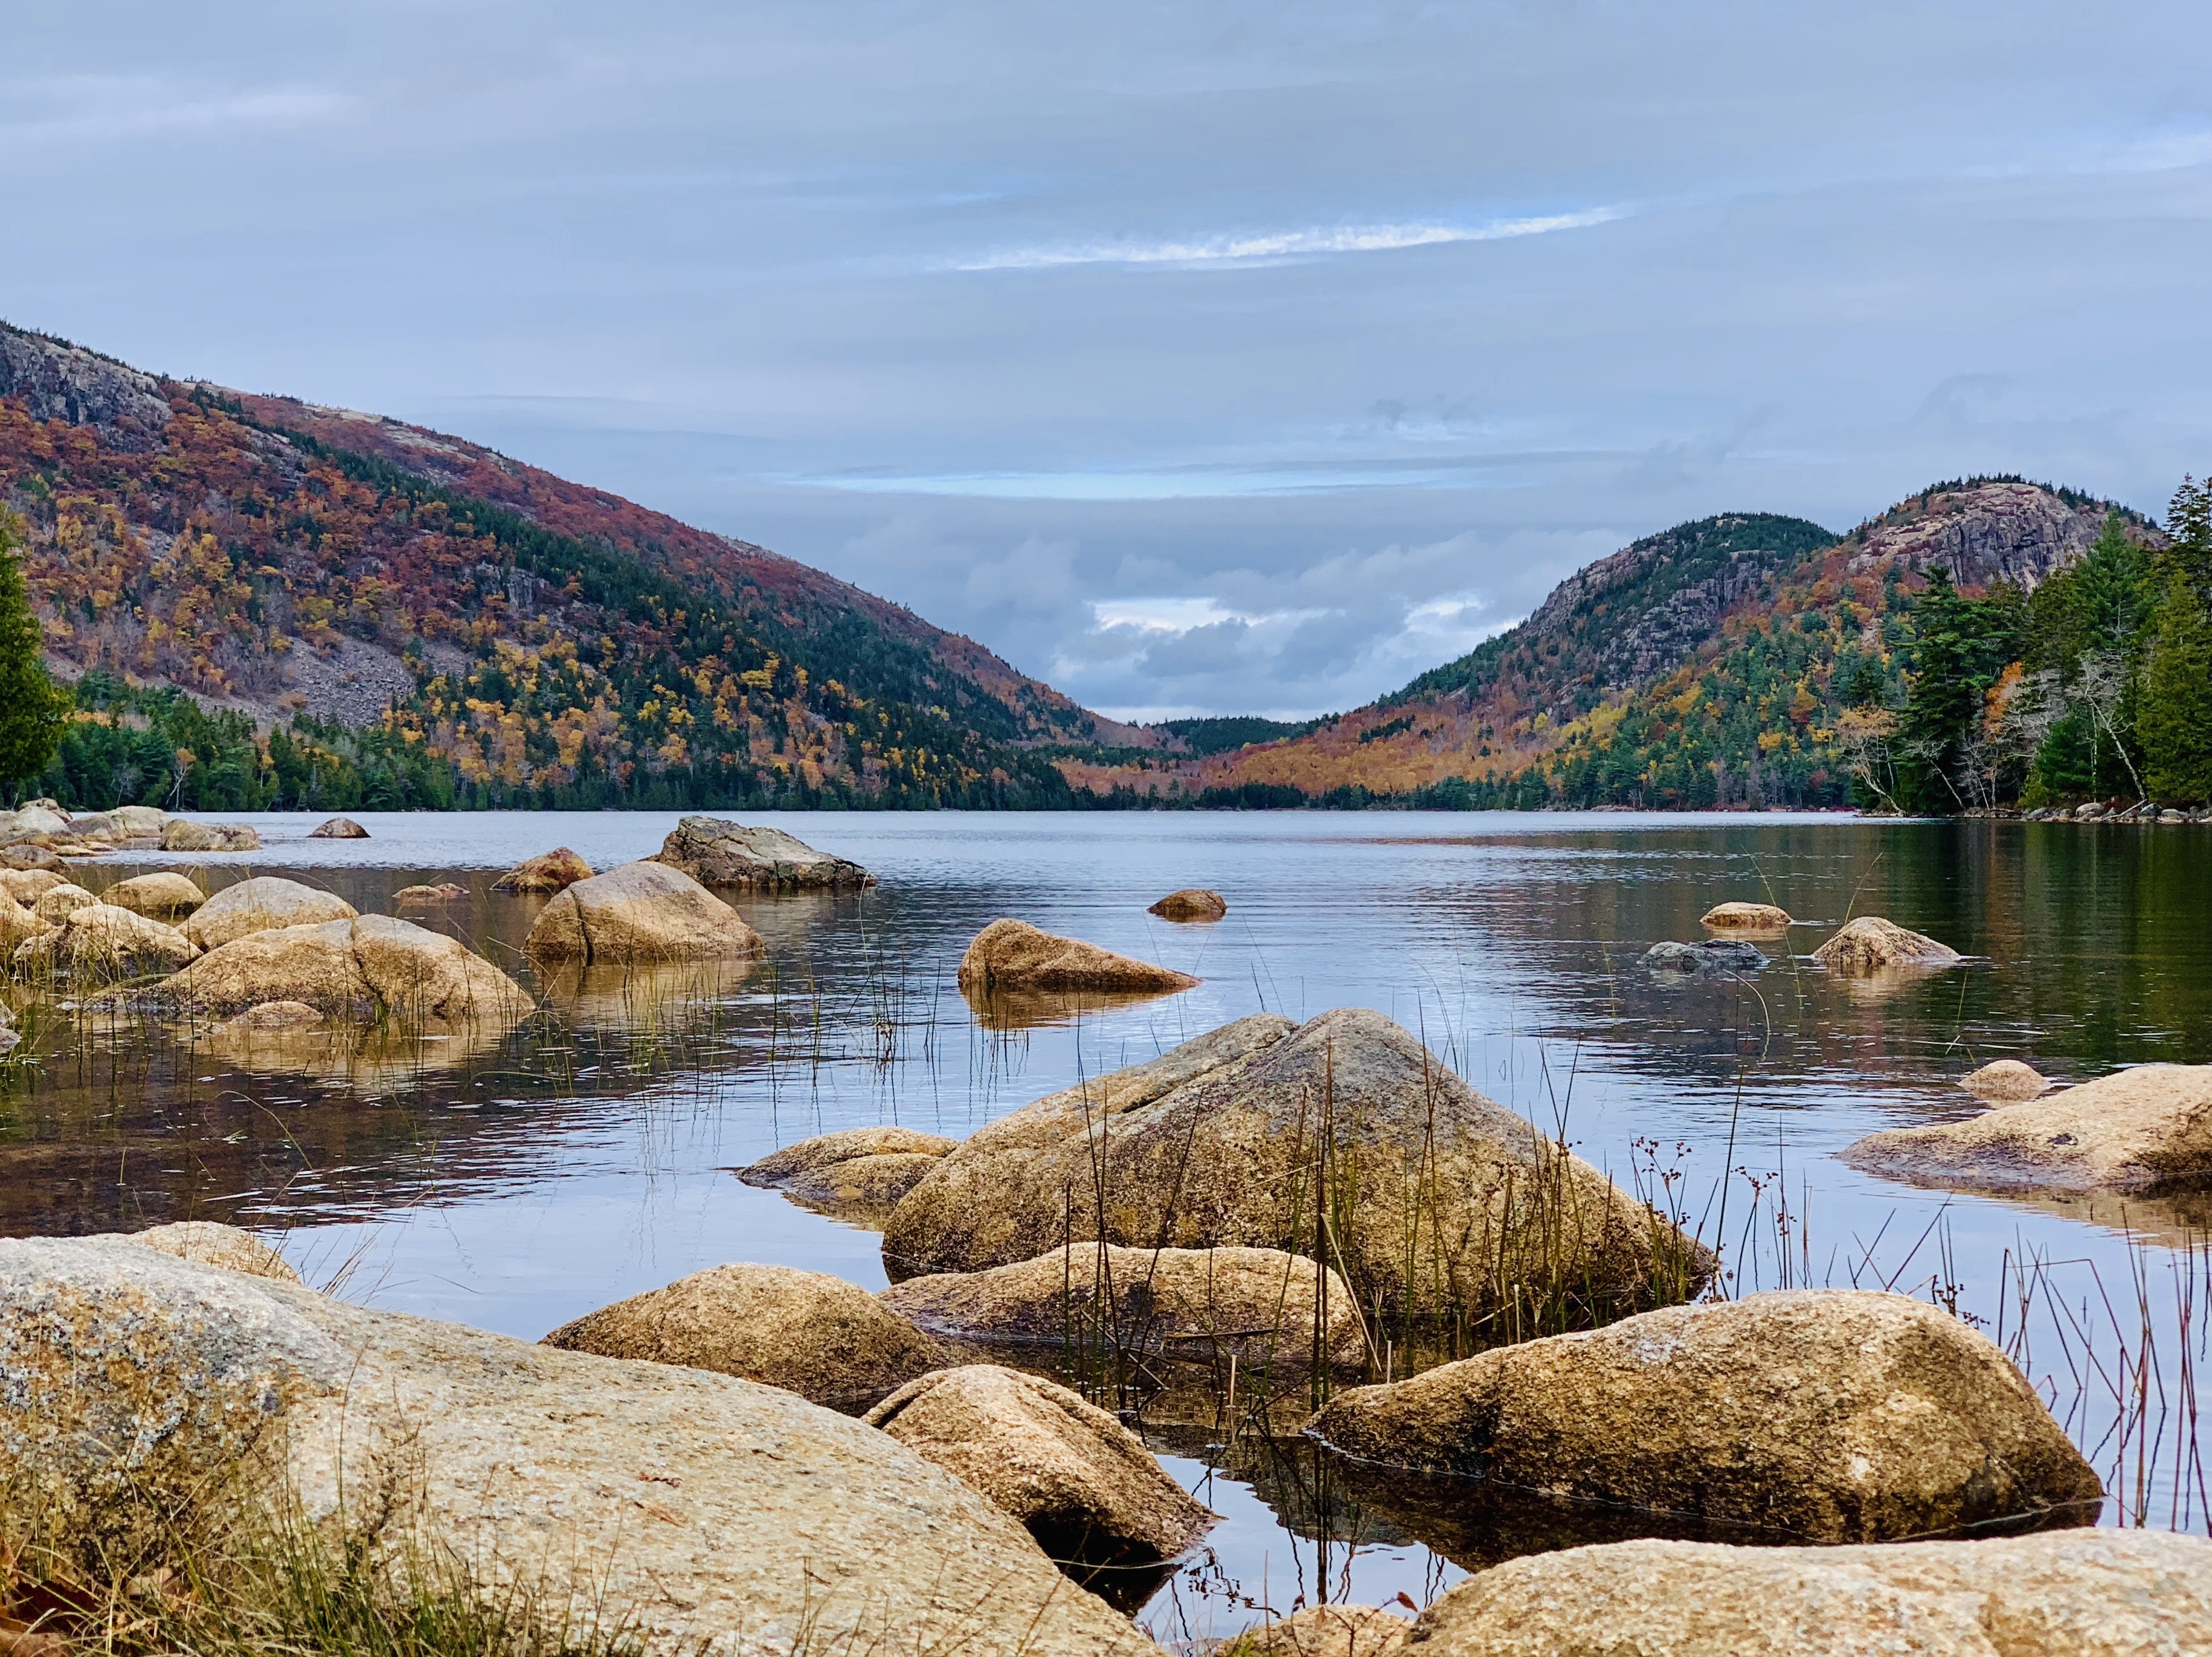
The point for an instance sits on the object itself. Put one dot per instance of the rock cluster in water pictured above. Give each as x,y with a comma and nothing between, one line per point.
716,852
40,835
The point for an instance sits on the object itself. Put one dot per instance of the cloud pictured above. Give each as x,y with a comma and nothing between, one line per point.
1317,241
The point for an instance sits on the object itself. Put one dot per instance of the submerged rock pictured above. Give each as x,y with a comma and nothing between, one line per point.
824,1338
548,871
863,1169
2135,1130
239,836
1013,955
357,970
1192,903
1081,1482
178,835
1834,1415
1717,957
424,897
640,912
1871,943
102,943
276,1015
683,1512
2073,1594
259,905
207,1243
337,829
2006,1081
1762,920
1325,1631
1259,1303
716,852
1215,1145
161,896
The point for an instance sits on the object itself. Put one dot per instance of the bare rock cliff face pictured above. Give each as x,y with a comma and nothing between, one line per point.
60,381
1987,532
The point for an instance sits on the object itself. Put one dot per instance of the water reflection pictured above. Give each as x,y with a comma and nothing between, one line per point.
582,1158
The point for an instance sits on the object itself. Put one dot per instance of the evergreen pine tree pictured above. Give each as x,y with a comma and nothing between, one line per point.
2173,715
31,705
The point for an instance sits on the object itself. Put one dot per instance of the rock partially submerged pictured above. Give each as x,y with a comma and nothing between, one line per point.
1756,920
1081,1482
1192,903
276,1015
1213,1144
716,852
2073,1594
163,896
207,1243
640,912
1870,944
337,829
863,1169
259,905
424,897
691,1512
1259,1303
2006,1081
1325,1631
359,969
101,943
818,1336
1013,955
2135,1130
1717,957
1833,1415
548,872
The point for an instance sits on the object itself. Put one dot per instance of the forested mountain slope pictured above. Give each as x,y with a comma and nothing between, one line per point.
1707,666
445,623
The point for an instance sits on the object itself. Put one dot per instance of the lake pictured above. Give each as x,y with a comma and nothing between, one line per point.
587,1160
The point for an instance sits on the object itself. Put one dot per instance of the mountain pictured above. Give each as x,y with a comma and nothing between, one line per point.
1704,667
443,624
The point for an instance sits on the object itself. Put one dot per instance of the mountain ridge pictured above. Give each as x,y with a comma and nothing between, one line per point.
544,639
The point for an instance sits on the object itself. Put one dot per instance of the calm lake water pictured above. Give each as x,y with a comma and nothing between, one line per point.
588,1160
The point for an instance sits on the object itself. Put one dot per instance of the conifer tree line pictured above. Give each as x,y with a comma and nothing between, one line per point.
2095,685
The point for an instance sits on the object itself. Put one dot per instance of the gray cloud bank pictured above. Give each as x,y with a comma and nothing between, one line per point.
1212,358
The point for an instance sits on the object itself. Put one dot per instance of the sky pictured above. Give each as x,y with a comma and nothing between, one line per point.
1203,358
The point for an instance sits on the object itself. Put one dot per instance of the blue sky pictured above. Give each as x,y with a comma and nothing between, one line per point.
1204,358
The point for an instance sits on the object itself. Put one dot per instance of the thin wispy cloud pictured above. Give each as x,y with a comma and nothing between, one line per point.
1312,242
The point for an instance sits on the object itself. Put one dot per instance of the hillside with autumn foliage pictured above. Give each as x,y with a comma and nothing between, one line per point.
389,616
1714,664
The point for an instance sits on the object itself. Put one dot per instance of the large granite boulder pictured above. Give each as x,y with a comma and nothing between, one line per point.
642,912
208,1242
715,851
2071,1593
163,896
1235,1139
1013,955
369,967
137,825
1259,1303
151,1402
337,829
19,924
259,905
101,943
548,872
860,1169
1834,1415
178,835
56,903
1083,1484
27,886
2135,1130
1870,944
40,816
826,1339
